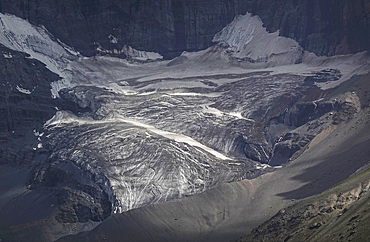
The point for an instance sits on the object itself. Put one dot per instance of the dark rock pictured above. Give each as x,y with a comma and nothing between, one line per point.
353,218
80,199
302,113
80,100
79,206
323,76
290,143
25,104
172,26
315,226
346,112
256,152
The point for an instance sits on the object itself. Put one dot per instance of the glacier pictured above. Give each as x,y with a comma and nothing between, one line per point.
149,132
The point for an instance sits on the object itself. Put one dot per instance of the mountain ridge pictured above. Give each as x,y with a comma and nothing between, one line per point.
323,27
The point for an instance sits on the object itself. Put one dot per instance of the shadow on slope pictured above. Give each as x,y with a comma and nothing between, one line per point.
330,171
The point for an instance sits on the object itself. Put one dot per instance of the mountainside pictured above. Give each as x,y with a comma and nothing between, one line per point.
232,210
171,26
102,133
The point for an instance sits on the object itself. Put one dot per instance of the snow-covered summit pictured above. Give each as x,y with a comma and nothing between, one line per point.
246,38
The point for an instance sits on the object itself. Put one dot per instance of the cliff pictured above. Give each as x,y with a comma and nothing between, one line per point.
171,26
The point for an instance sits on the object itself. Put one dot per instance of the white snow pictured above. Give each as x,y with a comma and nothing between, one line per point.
7,55
133,54
141,55
22,90
37,134
218,113
112,39
265,166
239,116
18,34
216,94
246,37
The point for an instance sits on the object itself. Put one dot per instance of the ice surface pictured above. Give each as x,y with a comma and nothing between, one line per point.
62,118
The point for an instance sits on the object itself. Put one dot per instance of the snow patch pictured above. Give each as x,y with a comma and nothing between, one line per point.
7,55
113,39
141,55
216,94
131,53
37,134
263,166
22,90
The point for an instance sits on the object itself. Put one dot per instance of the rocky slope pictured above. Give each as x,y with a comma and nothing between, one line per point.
172,26
339,214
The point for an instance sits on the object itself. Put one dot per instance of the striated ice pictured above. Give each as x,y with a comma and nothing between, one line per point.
65,118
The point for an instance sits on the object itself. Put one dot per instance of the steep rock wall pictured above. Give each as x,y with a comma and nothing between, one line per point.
169,27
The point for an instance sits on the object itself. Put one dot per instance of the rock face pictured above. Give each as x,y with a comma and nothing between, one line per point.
172,26
323,27
26,104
